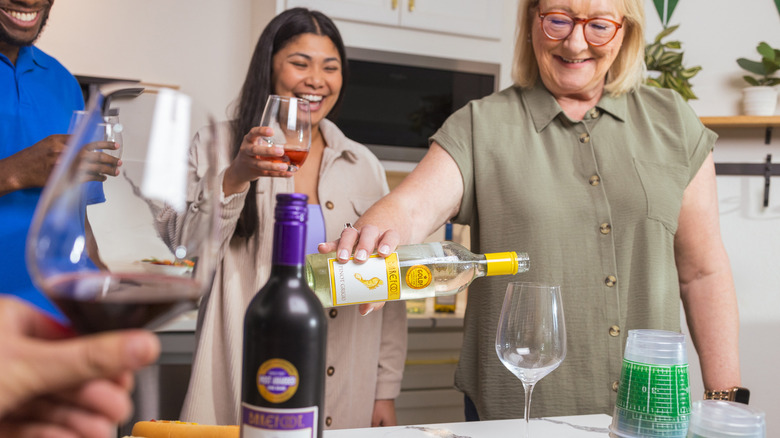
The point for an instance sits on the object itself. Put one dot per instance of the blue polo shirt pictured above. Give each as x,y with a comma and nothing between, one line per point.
38,97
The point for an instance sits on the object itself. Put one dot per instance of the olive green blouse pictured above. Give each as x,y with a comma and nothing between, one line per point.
595,205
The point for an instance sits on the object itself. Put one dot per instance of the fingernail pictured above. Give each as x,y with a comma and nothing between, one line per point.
343,254
361,255
370,309
384,249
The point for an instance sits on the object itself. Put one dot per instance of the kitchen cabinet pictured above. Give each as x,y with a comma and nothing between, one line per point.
474,18
427,390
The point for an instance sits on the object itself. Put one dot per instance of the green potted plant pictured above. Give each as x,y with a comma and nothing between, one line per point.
666,59
760,98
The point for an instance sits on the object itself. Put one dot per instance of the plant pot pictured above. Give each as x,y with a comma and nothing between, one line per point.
759,101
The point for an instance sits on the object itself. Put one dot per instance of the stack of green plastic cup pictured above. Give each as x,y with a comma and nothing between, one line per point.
653,399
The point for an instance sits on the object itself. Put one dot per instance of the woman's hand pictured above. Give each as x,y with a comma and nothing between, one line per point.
384,414
364,240
252,162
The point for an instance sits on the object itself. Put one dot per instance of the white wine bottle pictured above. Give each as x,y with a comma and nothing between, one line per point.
445,303
413,271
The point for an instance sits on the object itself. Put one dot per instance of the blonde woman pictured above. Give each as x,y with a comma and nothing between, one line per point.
609,186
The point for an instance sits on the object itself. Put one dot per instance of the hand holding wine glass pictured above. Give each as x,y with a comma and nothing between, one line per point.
290,119
531,335
99,138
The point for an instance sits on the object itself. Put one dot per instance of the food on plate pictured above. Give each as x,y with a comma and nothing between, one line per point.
154,261
179,429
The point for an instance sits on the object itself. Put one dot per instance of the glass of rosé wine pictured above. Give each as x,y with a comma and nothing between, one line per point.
290,119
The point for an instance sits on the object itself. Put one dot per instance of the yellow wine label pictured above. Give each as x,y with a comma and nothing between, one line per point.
378,279
418,277
393,277
277,380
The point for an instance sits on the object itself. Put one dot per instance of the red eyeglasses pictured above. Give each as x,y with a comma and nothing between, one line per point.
598,31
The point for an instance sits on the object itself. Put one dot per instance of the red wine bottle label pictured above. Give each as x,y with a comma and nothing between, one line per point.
261,422
277,380
378,279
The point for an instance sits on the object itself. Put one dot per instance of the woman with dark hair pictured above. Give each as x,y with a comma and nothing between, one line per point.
300,53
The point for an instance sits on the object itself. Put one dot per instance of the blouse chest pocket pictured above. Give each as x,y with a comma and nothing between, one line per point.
663,184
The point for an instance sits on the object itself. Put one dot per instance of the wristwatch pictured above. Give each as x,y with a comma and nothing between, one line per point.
735,394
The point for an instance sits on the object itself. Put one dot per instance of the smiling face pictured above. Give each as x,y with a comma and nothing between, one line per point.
21,23
571,68
309,67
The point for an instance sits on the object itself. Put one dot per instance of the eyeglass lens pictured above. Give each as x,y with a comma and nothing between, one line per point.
597,31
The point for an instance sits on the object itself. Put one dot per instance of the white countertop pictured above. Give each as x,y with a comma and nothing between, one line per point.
581,426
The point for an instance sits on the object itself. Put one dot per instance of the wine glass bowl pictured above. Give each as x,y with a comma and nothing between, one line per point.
290,119
111,131
531,334
93,228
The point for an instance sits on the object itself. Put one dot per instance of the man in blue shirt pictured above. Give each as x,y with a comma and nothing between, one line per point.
38,97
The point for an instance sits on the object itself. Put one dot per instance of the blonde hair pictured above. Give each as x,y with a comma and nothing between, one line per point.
627,71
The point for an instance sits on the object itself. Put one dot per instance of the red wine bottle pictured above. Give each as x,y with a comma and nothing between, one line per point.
285,332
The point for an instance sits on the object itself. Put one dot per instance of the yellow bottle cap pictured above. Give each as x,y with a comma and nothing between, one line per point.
502,263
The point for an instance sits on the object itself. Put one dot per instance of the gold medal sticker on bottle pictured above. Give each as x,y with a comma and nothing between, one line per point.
418,277
277,380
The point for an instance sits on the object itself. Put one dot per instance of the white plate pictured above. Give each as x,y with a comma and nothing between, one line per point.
155,268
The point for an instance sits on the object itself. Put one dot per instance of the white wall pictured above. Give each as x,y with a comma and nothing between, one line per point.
204,47
201,46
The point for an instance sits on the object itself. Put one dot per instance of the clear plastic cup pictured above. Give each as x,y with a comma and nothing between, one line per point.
725,419
653,397
657,347
630,424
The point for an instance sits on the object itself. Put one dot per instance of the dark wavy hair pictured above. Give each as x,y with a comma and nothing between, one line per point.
258,85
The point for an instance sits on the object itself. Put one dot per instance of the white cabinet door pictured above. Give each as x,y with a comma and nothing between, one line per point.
370,11
480,18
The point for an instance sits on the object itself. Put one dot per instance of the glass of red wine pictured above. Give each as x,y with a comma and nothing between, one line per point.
290,119
137,247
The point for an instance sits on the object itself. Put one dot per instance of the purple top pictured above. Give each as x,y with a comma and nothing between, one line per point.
315,229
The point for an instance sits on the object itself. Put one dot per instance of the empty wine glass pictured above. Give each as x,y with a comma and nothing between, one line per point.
290,119
112,131
531,335
133,249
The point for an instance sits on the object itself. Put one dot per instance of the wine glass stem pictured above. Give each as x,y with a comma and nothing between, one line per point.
529,389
